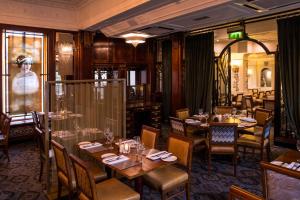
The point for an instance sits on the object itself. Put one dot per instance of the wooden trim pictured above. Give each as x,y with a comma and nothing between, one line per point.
239,193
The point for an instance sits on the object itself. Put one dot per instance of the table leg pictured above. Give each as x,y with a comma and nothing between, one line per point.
138,183
108,172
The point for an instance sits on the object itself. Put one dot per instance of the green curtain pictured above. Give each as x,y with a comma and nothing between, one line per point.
199,60
167,77
289,65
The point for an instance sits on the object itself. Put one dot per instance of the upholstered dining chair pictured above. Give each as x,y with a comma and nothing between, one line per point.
178,126
269,104
221,110
250,105
109,189
258,142
182,113
237,193
279,183
168,179
5,128
238,101
222,141
149,136
65,175
260,115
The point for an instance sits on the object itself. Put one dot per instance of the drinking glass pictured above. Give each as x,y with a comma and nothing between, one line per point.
110,139
298,144
200,111
140,149
137,140
206,116
234,111
106,133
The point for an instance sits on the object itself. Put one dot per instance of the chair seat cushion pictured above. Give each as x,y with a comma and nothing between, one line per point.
113,189
256,130
222,149
251,141
165,178
98,174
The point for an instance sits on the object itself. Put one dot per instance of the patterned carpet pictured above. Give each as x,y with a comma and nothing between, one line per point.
19,177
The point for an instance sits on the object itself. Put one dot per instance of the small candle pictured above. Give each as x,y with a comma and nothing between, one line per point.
126,148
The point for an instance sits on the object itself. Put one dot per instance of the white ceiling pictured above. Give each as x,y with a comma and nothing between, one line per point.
67,4
157,17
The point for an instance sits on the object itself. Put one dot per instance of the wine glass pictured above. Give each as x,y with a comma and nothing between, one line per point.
106,133
234,111
140,149
206,116
200,112
110,139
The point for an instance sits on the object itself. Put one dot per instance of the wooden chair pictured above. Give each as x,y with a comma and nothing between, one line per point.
106,190
238,101
269,104
5,128
222,141
40,135
250,105
258,142
221,110
178,126
254,92
183,113
237,193
280,183
261,115
35,118
65,175
149,136
169,178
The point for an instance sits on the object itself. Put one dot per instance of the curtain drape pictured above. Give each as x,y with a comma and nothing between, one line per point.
167,77
289,65
199,59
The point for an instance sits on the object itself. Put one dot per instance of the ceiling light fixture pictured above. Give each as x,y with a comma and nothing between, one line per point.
135,38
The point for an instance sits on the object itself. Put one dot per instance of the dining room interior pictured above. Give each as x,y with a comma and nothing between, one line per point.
145,99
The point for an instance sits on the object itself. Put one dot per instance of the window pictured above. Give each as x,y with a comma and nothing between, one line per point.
24,70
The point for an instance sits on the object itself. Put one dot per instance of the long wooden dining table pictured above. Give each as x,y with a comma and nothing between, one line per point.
131,169
205,126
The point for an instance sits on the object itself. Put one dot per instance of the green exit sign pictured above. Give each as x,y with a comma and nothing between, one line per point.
236,35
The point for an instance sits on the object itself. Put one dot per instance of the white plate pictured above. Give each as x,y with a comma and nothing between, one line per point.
106,155
83,143
275,162
170,159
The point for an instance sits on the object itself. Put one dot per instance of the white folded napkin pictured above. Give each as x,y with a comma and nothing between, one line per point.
90,146
115,159
127,142
248,119
158,155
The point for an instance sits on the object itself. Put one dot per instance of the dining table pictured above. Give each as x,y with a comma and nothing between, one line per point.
133,168
199,122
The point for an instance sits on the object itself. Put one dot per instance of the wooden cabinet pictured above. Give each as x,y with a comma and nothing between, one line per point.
139,114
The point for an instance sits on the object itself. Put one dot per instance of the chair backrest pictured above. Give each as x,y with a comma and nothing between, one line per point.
84,179
5,129
269,104
239,97
63,165
254,92
261,115
280,183
223,109
149,136
182,148
222,134
41,139
249,102
261,95
178,126
237,193
183,113
35,119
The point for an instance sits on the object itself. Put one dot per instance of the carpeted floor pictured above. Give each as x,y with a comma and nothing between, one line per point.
19,177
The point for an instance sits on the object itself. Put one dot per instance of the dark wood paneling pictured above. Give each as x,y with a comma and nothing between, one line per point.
176,100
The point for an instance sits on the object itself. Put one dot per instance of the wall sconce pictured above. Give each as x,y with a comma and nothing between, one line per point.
249,72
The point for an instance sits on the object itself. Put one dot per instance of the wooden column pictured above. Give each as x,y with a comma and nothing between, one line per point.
83,55
151,67
177,73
